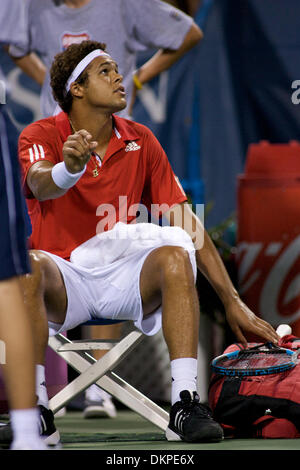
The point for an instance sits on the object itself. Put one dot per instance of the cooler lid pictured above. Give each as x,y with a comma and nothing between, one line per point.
273,160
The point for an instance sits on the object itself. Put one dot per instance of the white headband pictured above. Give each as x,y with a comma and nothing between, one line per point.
82,65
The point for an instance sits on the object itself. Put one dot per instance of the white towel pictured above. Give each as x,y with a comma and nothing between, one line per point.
124,240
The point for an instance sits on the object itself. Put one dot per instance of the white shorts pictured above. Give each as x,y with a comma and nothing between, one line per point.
110,288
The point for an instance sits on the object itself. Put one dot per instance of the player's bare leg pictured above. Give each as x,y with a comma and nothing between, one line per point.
167,279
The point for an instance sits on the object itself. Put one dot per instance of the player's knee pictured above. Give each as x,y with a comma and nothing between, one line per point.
175,263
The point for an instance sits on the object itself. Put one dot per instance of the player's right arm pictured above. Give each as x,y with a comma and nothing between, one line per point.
76,153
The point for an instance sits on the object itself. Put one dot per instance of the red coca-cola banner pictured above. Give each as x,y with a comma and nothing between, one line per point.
268,251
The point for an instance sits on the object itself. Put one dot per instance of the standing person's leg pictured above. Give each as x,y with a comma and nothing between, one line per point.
43,292
167,279
18,367
16,334
15,330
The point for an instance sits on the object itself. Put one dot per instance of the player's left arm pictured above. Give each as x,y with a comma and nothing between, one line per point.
209,262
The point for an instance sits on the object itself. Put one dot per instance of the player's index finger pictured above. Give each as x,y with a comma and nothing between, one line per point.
84,134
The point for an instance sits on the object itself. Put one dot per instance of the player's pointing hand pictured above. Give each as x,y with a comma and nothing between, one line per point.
77,150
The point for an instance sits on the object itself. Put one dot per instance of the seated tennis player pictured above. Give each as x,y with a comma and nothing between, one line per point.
86,171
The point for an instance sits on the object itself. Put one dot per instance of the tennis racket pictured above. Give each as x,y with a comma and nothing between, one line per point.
260,360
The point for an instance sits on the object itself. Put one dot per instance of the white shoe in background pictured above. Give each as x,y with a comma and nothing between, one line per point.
98,403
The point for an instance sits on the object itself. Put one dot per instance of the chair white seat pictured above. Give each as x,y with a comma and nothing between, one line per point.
87,345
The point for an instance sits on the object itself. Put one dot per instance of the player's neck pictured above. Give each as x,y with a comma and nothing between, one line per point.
100,126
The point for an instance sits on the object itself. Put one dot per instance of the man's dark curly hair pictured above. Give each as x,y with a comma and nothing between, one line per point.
63,65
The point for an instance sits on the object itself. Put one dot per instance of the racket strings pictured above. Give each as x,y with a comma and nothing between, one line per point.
254,360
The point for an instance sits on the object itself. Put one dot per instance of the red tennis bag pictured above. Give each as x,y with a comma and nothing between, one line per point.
265,406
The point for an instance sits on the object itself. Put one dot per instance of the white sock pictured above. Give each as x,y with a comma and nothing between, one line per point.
25,424
41,389
184,376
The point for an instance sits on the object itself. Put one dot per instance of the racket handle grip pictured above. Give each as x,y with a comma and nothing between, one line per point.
284,330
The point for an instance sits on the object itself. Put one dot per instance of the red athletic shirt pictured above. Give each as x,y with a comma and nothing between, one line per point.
134,167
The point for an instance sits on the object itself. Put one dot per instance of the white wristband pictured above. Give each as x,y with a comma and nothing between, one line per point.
63,178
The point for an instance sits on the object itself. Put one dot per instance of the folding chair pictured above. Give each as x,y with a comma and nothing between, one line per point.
100,372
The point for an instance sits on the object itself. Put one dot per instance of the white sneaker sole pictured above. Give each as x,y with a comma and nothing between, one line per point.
53,439
98,412
172,436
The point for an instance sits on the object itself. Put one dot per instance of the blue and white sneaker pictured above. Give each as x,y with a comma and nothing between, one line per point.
191,421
